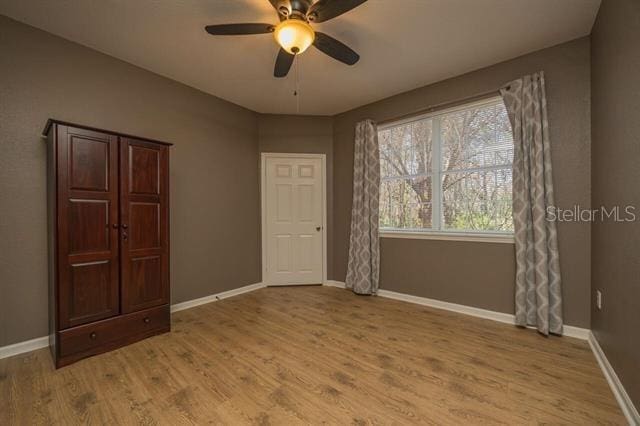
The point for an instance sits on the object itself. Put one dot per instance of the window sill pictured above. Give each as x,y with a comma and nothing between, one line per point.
448,236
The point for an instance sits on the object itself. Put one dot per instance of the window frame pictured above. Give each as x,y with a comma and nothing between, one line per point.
436,232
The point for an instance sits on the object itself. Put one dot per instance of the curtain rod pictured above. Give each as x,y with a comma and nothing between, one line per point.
443,105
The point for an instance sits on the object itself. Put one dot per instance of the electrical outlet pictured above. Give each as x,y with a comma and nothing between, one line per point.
599,299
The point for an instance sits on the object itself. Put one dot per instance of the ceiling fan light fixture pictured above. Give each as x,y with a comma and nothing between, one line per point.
294,35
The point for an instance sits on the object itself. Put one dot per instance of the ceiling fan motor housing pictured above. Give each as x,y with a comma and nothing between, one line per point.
297,8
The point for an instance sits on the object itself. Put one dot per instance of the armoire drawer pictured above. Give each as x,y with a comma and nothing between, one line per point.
101,336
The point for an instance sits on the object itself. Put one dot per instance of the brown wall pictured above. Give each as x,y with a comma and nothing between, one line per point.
302,134
616,182
482,274
215,242
215,182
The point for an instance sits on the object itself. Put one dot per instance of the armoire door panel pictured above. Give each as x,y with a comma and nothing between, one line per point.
89,229
146,273
87,247
89,163
144,213
91,295
144,170
144,225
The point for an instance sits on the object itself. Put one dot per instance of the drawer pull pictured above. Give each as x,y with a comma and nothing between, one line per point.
93,335
147,320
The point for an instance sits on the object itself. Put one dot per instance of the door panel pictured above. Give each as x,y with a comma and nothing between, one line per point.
89,163
144,213
306,207
144,170
144,226
89,229
145,271
91,290
293,220
87,225
284,200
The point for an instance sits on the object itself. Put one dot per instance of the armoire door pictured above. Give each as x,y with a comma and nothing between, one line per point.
144,216
87,221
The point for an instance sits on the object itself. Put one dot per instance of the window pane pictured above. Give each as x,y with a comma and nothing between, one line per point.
405,150
406,203
478,201
476,154
476,137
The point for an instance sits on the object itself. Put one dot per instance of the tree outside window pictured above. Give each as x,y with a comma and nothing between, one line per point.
449,171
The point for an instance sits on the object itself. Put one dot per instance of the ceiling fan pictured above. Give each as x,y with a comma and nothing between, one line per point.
294,34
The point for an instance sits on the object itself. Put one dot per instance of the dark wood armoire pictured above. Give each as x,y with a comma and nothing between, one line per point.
108,202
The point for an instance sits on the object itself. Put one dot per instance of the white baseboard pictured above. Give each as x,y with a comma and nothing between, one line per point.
332,283
215,297
576,332
22,347
628,409
570,331
454,307
43,342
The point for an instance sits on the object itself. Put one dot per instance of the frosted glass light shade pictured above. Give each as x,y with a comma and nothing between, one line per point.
294,35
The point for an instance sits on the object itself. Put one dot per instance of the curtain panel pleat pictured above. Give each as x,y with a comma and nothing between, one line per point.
538,295
363,270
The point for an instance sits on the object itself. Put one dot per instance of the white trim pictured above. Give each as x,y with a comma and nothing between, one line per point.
575,332
215,297
448,236
628,409
568,330
43,342
333,283
453,307
22,347
263,161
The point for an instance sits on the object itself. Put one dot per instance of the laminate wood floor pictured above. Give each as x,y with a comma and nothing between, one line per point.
300,355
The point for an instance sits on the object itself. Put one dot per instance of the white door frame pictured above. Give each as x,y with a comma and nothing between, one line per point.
263,175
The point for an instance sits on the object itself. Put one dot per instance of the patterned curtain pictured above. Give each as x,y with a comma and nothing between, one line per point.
363,270
538,284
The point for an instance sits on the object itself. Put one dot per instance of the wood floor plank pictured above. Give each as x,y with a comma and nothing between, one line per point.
309,355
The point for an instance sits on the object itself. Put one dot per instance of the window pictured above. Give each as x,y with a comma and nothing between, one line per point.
448,172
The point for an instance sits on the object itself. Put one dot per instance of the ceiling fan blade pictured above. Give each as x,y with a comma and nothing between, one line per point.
336,49
239,29
283,63
323,10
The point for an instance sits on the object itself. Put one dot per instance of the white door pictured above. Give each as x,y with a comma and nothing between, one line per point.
293,214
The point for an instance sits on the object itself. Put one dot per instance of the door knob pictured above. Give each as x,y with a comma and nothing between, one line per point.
318,228
124,226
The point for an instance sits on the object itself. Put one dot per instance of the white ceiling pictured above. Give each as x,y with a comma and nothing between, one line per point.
403,44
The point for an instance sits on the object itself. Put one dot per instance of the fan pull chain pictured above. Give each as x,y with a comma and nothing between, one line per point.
297,83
